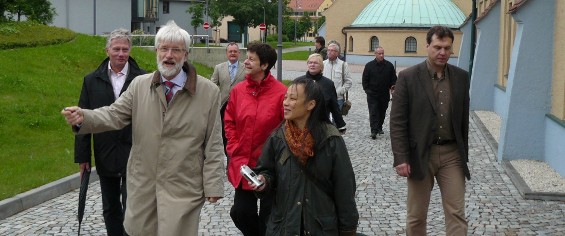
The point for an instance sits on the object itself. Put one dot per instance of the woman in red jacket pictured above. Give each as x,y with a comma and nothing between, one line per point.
254,110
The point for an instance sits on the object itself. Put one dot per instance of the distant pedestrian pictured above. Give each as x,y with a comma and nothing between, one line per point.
333,41
111,149
429,127
226,75
338,71
315,68
320,45
379,77
254,110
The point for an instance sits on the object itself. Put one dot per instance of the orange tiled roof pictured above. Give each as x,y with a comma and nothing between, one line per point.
305,5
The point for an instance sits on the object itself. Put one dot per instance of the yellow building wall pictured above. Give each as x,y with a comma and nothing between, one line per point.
558,98
507,34
393,41
341,14
465,6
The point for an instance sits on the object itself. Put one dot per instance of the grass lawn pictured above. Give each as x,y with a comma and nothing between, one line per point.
291,44
297,55
35,84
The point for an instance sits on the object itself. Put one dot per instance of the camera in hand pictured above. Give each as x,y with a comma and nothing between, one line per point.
250,175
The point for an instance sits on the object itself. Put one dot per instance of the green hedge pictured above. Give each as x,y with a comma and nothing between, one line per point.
30,34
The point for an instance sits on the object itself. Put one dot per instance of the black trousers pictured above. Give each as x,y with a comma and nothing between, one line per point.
222,112
114,197
244,212
377,103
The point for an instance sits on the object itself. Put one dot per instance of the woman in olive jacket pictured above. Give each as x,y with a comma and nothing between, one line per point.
306,165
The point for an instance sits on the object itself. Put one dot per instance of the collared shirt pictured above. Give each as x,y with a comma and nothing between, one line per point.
234,72
442,94
118,79
179,80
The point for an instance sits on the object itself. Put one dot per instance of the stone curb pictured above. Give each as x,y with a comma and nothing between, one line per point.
34,197
514,176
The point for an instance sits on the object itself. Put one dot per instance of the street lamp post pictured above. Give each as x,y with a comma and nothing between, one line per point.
279,40
207,30
263,33
297,6
295,9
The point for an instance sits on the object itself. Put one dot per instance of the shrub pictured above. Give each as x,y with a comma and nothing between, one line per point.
275,38
139,38
31,34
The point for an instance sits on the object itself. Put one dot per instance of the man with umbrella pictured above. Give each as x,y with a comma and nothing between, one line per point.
176,160
111,149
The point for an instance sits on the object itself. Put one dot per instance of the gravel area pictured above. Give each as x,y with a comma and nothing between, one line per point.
538,175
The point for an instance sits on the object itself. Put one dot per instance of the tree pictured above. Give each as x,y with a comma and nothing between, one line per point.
4,6
303,25
319,22
197,12
34,10
247,13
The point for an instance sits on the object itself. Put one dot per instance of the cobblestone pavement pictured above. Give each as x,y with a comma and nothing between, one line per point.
494,206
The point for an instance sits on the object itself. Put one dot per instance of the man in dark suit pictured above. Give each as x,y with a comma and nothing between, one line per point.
226,75
379,77
429,126
111,149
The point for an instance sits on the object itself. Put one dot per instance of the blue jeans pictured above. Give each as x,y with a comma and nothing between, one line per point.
340,103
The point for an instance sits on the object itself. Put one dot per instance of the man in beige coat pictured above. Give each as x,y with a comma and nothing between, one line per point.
176,160
226,75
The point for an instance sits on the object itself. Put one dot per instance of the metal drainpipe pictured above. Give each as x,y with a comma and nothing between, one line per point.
94,17
473,37
279,44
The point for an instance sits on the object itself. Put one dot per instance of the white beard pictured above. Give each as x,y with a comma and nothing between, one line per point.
167,71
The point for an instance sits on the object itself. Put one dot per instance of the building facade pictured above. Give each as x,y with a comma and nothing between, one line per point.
98,17
399,26
518,74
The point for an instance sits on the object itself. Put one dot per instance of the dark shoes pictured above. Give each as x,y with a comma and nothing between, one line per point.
381,131
374,136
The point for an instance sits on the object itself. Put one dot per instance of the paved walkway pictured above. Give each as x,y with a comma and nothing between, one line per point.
494,206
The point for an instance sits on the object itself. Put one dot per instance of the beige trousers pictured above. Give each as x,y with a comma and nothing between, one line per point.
445,166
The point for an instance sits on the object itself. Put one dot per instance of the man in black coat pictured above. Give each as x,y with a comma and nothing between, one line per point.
379,77
111,149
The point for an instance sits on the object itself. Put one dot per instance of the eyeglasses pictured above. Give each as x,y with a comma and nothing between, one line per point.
175,51
313,63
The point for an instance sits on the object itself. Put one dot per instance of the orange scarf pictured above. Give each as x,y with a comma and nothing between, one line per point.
300,142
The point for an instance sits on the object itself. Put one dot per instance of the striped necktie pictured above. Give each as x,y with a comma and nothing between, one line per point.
232,72
169,90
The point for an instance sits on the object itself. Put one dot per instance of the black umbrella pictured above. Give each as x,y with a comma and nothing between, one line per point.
84,180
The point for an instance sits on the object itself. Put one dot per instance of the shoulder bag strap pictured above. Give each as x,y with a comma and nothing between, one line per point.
343,80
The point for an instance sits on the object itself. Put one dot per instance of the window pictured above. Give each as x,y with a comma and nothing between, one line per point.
410,44
165,7
350,43
374,43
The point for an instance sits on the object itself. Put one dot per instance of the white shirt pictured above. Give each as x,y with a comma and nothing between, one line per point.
235,65
118,79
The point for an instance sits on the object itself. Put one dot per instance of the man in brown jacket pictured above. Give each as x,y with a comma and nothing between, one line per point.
176,159
429,126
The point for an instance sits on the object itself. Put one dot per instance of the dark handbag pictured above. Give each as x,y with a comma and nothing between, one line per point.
347,103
